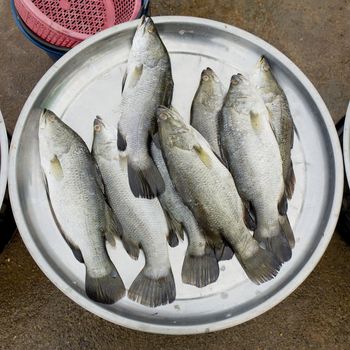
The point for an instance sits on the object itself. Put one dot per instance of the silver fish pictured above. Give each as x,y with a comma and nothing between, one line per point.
200,266
76,197
252,154
147,84
280,118
206,107
143,221
207,188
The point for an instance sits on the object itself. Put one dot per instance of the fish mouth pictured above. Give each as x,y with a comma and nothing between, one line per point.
45,117
43,120
142,21
208,73
263,64
146,23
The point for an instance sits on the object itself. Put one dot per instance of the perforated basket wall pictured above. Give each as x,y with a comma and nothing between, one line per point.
68,22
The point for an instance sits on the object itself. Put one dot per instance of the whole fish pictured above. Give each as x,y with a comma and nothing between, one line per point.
147,84
200,266
206,107
207,188
76,197
280,118
143,222
252,154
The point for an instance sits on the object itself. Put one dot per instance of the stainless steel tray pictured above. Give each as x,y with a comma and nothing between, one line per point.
87,82
4,149
346,144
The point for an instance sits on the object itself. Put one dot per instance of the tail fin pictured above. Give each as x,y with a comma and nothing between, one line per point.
147,182
287,229
290,182
275,241
106,289
200,270
153,291
261,266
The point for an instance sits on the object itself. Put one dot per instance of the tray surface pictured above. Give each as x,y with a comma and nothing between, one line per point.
87,82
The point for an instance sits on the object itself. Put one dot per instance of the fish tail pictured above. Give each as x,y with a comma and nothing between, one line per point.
275,241
290,182
146,182
151,290
106,289
287,229
261,265
200,270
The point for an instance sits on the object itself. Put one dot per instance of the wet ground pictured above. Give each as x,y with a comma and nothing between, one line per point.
34,314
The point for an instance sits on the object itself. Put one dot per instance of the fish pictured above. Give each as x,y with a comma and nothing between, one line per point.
253,157
147,84
279,116
206,107
207,188
76,196
200,266
144,225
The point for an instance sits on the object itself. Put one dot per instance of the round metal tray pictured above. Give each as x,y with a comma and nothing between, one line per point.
87,82
4,148
346,144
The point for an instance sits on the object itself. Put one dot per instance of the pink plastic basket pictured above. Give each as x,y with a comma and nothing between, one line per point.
68,22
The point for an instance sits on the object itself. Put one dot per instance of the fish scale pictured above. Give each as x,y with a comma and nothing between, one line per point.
143,222
78,205
250,148
148,83
207,187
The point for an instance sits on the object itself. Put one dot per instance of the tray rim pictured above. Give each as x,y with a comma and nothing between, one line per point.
4,150
284,292
346,144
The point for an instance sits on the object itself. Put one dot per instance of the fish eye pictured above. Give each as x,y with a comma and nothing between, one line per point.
150,29
163,116
205,77
97,128
234,81
51,118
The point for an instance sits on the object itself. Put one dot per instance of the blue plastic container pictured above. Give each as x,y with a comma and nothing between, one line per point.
53,52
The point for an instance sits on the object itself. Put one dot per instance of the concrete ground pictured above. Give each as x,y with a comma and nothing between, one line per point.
34,314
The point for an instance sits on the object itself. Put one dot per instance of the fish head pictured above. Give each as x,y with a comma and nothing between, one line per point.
241,94
173,130
105,138
210,84
147,46
56,135
263,78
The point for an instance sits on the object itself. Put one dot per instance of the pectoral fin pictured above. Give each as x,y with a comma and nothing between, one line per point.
255,120
135,76
203,155
56,168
